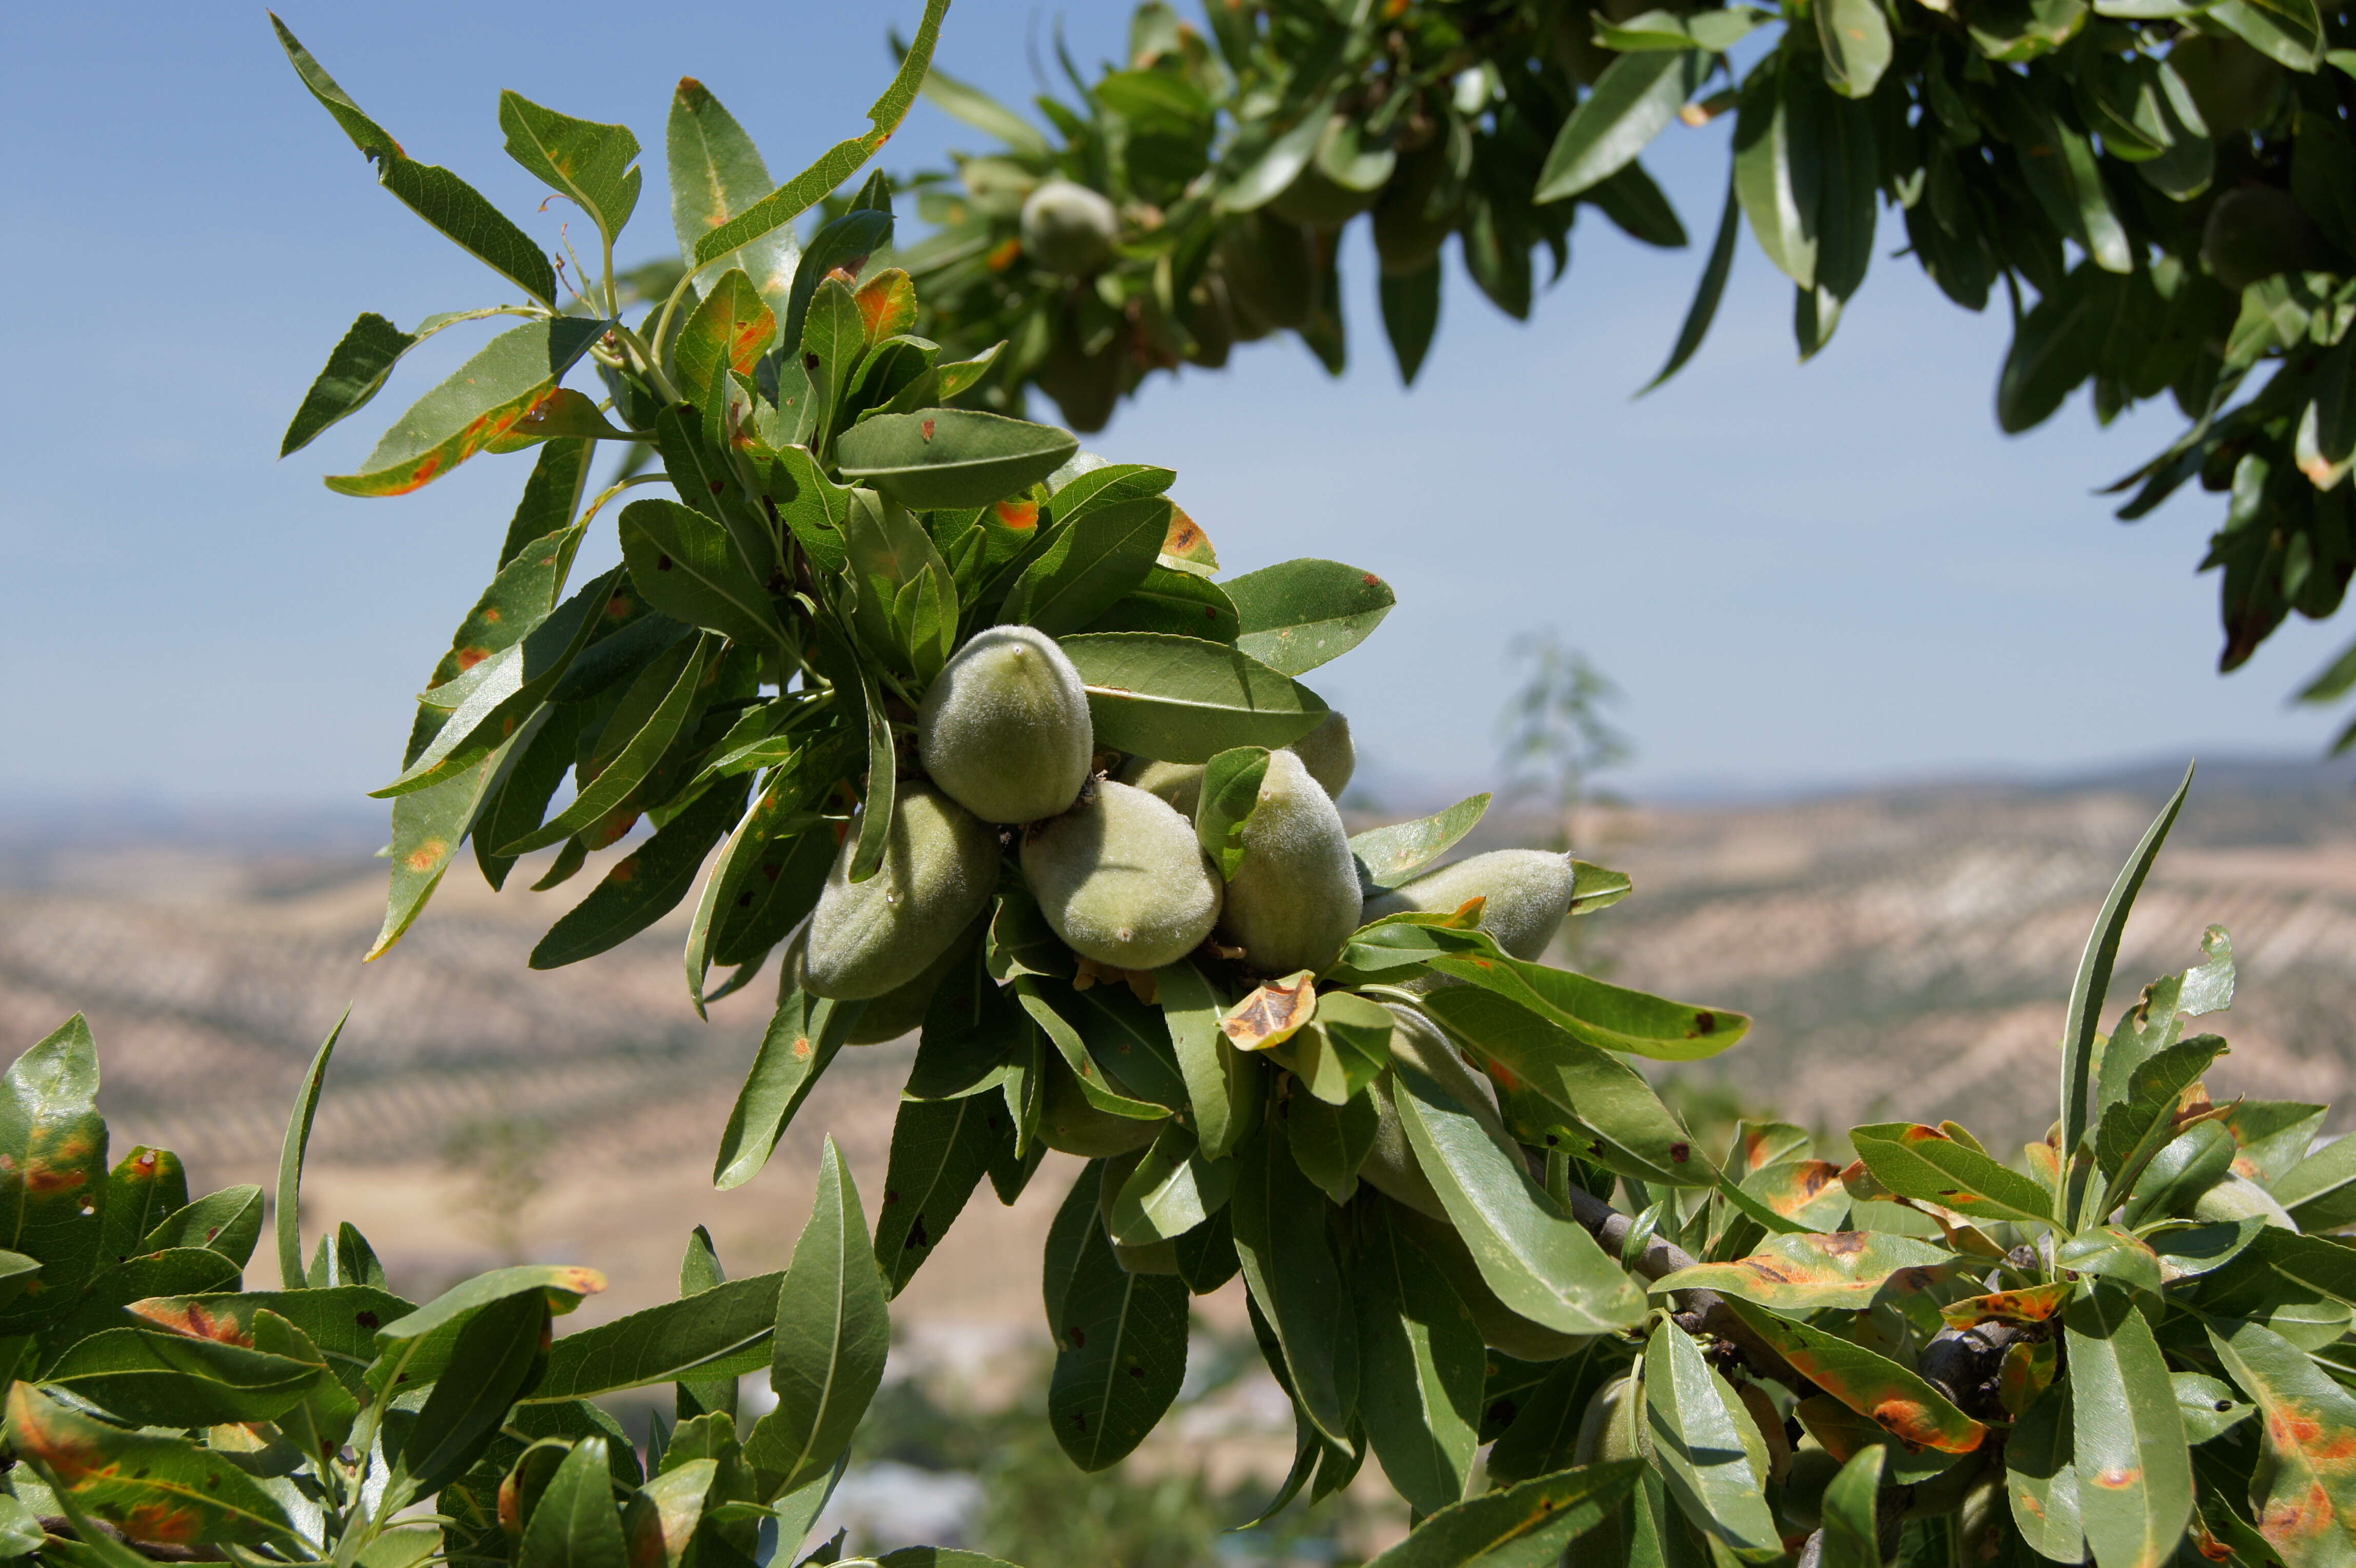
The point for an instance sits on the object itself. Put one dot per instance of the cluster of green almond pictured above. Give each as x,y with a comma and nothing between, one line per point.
1109,848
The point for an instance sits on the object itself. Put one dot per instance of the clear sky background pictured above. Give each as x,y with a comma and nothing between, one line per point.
1799,575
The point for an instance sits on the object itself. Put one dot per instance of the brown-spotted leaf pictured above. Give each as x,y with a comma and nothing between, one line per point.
1273,1014
1804,1273
1844,1435
1874,1386
2305,1486
732,328
481,400
1924,1162
52,1169
1758,1145
1188,543
1807,1192
2029,1369
887,304
166,1490
2038,1304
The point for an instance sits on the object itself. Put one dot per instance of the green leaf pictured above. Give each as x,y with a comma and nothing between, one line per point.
355,372
1915,1161
1852,1532
2051,354
155,1379
804,191
1172,1189
2134,1471
940,1151
1708,293
53,1165
716,172
688,567
1538,1261
482,401
2086,995
145,1187
492,1361
1229,795
719,1330
1521,1527
730,327
340,1321
1297,615
594,164
227,1222
2303,1490
644,884
1634,101
1855,37
1330,1142
1180,603
1221,1081
1121,1341
1410,304
2141,1123
678,675
1290,1269
832,1332
1697,1435
2321,1190
153,1487
1422,1369
2042,1478
1388,856
1633,1134
952,457
1178,699
2289,32
434,194
289,1216
1874,1386
1599,1014
1534,1409
803,1036
985,114
576,1524
1090,565
1807,1273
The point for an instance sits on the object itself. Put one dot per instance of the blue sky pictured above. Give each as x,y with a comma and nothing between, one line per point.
1799,575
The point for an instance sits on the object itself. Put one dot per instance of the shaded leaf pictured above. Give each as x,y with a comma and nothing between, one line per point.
1874,1386
832,1333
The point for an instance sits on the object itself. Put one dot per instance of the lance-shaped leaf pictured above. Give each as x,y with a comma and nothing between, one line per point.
2135,1469
716,172
1698,1443
1919,1162
172,1379
1179,603
1634,101
53,1165
2304,1490
677,675
832,1333
803,1036
434,194
689,568
1229,796
1523,1526
730,329
1287,1256
1540,1261
492,1362
1172,1189
355,372
1089,565
1423,1364
2113,1255
940,1151
2036,1304
413,1350
2086,995
1805,1193
802,192
1598,1012
644,884
2321,1190
290,1159
2143,1121
1388,856
1297,615
1849,1269
1540,1419
1856,40
1180,699
340,1321
1121,1339
1852,1535
576,1524
721,1331
1874,1386
154,1488
1220,1081
955,457
482,401
1707,293
2042,1478
594,164
1631,1131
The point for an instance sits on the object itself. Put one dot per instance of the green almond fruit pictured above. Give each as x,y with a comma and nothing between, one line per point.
1121,879
940,864
1294,899
1004,727
1069,229
1528,892
1069,1123
901,1010
1605,1429
1179,783
1328,755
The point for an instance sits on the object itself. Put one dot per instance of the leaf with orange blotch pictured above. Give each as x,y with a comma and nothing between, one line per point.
1272,1015
731,328
2029,1369
2041,1481
1187,542
165,1490
2304,1493
413,1349
1896,1398
888,303
1758,1145
1807,1192
52,1169
1848,1268
2135,1468
563,415
1843,1433
482,401
2038,1304
1919,1162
